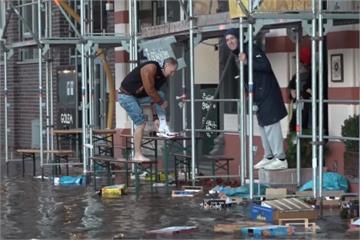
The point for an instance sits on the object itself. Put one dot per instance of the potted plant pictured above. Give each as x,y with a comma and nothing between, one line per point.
350,128
305,151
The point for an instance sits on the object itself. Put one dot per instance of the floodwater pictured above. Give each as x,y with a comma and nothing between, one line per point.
35,209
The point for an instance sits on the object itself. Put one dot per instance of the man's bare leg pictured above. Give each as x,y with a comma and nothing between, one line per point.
139,131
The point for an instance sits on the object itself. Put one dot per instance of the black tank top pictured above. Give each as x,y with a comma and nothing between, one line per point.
132,83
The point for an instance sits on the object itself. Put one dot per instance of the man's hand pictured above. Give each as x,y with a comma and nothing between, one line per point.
164,105
156,125
243,58
293,93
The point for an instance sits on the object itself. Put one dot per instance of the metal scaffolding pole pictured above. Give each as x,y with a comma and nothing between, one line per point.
40,88
165,11
298,111
313,97
49,12
83,86
6,115
192,92
251,103
321,97
242,113
91,91
48,89
135,22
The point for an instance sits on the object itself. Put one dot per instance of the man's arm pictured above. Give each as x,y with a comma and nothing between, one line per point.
260,61
148,73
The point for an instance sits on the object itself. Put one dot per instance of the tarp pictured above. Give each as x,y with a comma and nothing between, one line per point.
331,182
242,191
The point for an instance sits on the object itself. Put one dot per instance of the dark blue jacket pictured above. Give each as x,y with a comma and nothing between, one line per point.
267,93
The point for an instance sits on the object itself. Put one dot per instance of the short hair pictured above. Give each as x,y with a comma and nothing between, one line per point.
170,60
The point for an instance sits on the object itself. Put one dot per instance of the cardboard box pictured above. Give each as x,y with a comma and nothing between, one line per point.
181,193
270,213
235,227
272,193
268,231
194,189
113,191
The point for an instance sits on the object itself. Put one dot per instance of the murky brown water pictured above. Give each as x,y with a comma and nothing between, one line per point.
32,209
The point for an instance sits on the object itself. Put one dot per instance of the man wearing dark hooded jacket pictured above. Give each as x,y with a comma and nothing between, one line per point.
268,101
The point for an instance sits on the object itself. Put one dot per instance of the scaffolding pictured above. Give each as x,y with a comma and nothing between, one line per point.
258,20
203,26
86,42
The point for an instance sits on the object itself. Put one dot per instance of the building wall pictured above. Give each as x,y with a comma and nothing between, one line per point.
22,80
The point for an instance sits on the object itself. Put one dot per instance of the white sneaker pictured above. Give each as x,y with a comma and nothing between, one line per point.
262,163
276,164
165,132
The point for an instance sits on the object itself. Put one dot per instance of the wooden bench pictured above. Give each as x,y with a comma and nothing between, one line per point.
31,154
184,159
139,165
105,161
218,162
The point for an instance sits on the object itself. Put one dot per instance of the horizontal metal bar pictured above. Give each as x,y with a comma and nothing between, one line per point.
61,164
333,101
332,137
212,130
305,15
341,15
282,15
213,100
218,176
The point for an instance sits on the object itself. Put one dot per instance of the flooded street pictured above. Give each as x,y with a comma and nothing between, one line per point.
35,209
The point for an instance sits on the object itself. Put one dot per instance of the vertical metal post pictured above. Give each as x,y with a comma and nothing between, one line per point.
193,155
313,96
298,110
321,98
40,86
83,86
242,112
49,12
132,64
359,153
251,98
131,33
6,92
91,99
165,11
91,83
135,22
47,83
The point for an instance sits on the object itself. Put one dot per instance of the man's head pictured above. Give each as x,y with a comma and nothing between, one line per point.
169,67
232,39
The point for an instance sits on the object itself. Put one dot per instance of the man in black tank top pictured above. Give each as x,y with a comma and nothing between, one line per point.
142,86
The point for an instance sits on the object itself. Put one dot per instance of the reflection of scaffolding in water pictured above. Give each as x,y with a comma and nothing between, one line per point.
213,26
87,43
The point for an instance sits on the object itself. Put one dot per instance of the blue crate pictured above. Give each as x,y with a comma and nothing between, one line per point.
260,213
267,231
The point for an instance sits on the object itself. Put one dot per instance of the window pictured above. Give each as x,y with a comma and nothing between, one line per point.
29,11
2,15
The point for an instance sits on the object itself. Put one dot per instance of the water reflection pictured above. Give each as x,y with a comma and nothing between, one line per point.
31,208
